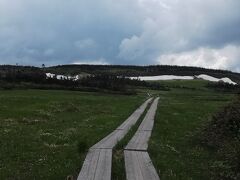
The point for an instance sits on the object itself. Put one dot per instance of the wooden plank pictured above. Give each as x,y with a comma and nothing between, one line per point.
139,166
139,141
97,165
89,166
149,171
132,166
148,121
103,171
126,125
111,140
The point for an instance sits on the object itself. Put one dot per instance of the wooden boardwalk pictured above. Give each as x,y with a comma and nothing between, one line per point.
138,164
98,163
139,142
141,137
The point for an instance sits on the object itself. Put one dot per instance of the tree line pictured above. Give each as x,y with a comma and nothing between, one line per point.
32,77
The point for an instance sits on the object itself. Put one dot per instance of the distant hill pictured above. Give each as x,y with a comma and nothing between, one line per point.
123,70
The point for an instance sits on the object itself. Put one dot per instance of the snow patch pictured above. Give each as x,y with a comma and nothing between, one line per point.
162,77
173,77
50,75
153,78
63,77
213,79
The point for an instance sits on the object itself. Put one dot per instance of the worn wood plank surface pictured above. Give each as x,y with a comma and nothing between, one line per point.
126,125
90,161
98,162
141,137
113,138
139,166
139,141
97,165
104,167
148,121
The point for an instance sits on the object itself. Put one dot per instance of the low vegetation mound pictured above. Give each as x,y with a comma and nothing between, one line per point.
225,87
222,135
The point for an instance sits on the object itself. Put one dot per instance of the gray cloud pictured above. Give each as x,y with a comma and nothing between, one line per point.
118,32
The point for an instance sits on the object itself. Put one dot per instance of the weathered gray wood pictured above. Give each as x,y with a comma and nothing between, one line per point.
97,165
103,171
89,165
149,171
139,166
148,121
112,139
126,125
139,141
132,166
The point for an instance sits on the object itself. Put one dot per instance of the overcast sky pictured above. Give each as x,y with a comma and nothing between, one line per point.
202,33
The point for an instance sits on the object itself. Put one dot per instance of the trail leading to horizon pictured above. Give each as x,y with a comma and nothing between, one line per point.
98,162
138,164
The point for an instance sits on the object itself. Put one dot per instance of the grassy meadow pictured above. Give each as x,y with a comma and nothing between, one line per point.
45,134
174,147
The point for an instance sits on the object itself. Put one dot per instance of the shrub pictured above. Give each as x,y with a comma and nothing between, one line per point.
222,134
82,147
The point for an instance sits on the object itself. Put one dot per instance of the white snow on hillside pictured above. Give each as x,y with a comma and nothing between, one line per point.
62,77
228,80
50,75
207,77
172,77
162,77
213,79
155,78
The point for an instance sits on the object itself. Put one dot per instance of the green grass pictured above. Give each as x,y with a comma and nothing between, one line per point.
194,84
176,153
45,134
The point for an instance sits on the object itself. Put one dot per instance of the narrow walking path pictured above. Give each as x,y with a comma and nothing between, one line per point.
138,164
98,162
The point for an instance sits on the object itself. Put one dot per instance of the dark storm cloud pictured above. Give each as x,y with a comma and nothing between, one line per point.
119,32
52,31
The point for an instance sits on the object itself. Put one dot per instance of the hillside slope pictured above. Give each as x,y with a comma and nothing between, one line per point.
123,70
